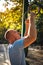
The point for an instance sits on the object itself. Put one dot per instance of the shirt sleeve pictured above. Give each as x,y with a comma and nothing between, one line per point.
19,43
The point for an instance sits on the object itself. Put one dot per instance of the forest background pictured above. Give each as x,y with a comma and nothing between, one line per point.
11,17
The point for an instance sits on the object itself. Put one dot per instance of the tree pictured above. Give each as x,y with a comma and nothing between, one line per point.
25,6
37,7
11,19
39,23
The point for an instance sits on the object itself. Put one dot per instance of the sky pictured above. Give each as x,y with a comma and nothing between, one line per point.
29,0
6,4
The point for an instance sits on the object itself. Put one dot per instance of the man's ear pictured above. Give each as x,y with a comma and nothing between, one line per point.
17,35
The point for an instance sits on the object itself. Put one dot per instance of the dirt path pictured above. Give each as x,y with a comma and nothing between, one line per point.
35,56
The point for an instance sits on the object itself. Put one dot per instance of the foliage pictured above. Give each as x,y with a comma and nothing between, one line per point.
36,6
39,24
11,19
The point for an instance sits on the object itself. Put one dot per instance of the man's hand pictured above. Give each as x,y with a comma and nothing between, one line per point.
32,16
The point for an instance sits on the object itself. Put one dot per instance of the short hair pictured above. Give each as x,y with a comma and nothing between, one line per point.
5,35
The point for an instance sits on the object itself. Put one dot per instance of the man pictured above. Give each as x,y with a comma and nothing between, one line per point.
17,44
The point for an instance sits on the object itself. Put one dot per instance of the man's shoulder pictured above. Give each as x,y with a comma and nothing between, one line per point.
20,40
18,43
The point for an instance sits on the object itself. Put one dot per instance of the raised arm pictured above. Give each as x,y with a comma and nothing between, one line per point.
32,32
27,26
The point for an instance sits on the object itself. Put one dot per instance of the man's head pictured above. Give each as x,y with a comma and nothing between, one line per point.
11,36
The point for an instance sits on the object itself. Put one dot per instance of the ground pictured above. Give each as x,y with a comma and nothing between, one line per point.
34,57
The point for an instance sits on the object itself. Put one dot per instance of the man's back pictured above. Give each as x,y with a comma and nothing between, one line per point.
16,53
